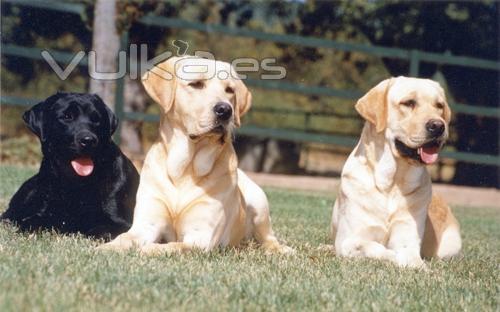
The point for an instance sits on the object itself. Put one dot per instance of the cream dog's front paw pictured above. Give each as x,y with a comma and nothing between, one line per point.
326,248
156,249
275,247
122,242
409,260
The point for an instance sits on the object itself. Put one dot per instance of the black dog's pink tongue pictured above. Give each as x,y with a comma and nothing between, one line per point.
429,155
83,166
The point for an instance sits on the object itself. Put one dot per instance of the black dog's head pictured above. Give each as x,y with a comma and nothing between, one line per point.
73,128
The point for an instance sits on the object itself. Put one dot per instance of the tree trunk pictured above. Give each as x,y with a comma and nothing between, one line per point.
106,45
135,101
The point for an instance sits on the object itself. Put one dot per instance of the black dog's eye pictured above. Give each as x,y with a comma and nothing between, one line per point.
197,84
409,103
67,116
440,105
229,90
94,117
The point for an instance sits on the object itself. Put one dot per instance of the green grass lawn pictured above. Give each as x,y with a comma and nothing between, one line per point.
49,272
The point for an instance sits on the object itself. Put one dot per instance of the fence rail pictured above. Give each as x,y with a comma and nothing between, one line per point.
414,58
66,57
312,42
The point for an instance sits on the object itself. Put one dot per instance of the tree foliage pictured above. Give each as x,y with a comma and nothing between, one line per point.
460,28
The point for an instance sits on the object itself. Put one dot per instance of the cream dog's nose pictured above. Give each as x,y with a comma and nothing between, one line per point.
435,127
223,111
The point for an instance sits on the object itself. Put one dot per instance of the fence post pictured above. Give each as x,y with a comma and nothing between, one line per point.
120,88
307,120
414,63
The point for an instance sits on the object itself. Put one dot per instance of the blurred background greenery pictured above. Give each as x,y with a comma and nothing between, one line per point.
459,28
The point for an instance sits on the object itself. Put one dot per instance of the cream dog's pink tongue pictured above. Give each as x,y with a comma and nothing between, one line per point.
429,155
83,166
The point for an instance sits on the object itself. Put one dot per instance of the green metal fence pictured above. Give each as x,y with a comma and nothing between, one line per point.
414,57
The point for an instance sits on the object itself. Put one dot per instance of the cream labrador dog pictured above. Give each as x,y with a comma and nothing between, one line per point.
385,208
191,193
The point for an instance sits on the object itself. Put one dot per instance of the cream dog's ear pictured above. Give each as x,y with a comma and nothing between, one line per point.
373,105
446,108
243,101
447,112
160,83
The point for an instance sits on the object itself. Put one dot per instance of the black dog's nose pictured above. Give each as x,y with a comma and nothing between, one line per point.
223,111
435,127
87,140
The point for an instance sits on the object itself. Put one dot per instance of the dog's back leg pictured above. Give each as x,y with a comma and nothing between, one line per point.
442,231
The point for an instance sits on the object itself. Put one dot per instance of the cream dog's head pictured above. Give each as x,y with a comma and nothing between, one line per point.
413,113
202,97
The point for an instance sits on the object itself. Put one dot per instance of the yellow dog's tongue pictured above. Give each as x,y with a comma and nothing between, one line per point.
83,166
429,155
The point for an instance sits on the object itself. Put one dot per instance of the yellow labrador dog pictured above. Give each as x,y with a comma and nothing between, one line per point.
191,193
385,208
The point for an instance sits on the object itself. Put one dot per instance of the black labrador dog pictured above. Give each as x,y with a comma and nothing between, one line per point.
85,183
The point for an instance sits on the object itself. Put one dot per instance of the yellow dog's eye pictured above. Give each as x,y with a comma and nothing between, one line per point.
440,105
197,84
229,90
409,103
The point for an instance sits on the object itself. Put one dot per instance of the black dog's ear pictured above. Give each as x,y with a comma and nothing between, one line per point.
113,120
34,119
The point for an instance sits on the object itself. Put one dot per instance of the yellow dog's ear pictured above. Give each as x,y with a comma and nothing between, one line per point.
446,108
243,101
160,83
373,105
447,113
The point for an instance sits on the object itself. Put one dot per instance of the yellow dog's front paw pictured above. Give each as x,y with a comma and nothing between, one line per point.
286,250
326,248
156,249
275,247
122,242
111,246
406,260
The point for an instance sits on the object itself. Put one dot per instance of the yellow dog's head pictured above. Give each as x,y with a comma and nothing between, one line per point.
202,97
413,113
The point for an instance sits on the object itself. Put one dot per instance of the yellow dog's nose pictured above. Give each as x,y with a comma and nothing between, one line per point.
223,111
435,127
